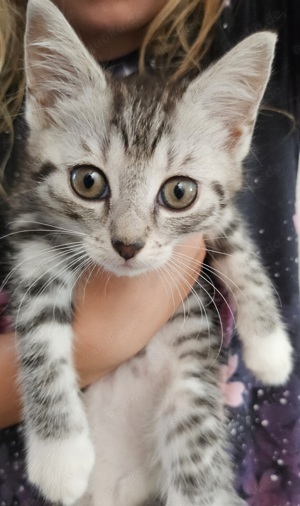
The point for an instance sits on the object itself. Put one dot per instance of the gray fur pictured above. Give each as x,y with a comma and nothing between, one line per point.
139,133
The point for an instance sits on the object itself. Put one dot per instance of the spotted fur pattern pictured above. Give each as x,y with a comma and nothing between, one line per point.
156,426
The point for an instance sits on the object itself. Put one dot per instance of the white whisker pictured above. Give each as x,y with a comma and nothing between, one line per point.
218,274
36,255
163,275
63,261
206,267
55,227
203,249
194,271
174,266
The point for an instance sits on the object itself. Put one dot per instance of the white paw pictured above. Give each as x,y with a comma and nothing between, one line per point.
60,468
270,358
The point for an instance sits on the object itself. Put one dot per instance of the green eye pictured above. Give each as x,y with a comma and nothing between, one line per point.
178,193
89,182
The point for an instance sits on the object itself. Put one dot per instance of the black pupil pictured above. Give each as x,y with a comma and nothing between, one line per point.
88,181
179,191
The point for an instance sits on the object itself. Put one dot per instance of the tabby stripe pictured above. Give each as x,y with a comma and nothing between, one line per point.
46,170
42,285
207,439
218,189
226,247
157,136
50,424
34,360
69,208
231,228
193,375
195,457
188,314
184,425
204,374
85,146
192,458
34,232
124,136
49,373
187,484
47,315
199,355
47,401
183,339
205,403
37,355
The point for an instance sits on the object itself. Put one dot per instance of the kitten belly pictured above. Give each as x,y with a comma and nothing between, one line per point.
122,410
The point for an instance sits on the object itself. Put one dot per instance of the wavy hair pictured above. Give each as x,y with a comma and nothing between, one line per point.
12,81
179,36
176,41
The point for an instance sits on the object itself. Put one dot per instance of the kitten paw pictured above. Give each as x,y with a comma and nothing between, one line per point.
60,468
270,358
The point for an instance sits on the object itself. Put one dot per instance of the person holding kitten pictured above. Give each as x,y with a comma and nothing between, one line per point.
175,38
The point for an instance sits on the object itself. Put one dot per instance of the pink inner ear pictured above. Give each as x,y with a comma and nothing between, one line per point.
236,133
45,100
234,137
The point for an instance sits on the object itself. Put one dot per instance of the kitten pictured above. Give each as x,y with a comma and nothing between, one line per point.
115,173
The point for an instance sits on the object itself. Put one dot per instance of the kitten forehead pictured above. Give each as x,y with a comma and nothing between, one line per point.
142,110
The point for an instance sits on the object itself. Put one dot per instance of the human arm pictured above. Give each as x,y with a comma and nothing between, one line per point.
115,319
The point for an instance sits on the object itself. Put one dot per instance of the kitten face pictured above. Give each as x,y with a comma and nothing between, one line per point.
134,162
136,206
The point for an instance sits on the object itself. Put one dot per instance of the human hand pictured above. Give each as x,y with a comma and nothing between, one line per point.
117,316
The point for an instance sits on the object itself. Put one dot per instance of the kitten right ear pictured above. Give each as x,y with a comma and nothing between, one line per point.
57,65
230,92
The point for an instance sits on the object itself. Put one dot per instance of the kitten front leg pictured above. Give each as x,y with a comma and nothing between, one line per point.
60,455
267,349
191,436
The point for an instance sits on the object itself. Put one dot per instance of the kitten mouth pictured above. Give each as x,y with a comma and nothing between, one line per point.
128,268
131,267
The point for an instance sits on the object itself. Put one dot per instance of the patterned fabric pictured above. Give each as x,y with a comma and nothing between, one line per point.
264,422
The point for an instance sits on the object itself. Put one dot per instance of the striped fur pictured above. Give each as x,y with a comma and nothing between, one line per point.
156,427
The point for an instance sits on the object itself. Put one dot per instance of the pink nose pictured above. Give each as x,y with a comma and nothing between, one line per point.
127,251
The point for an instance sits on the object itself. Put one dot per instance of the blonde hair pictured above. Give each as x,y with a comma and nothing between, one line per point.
177,40
12,81
179,36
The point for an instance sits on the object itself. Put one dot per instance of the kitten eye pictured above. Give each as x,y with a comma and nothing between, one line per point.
178,193
89,182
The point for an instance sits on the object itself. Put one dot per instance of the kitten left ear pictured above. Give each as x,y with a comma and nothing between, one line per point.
230,91
57,65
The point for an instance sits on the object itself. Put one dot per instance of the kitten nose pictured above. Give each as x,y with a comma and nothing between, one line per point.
127,251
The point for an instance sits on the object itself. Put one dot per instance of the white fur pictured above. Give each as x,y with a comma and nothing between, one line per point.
60,468
268,352
125,412
120,409
270,358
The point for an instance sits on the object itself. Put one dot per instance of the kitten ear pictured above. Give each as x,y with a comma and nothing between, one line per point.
57,65
230,91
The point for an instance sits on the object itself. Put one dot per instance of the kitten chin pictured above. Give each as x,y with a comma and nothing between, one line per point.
131,268
127,270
